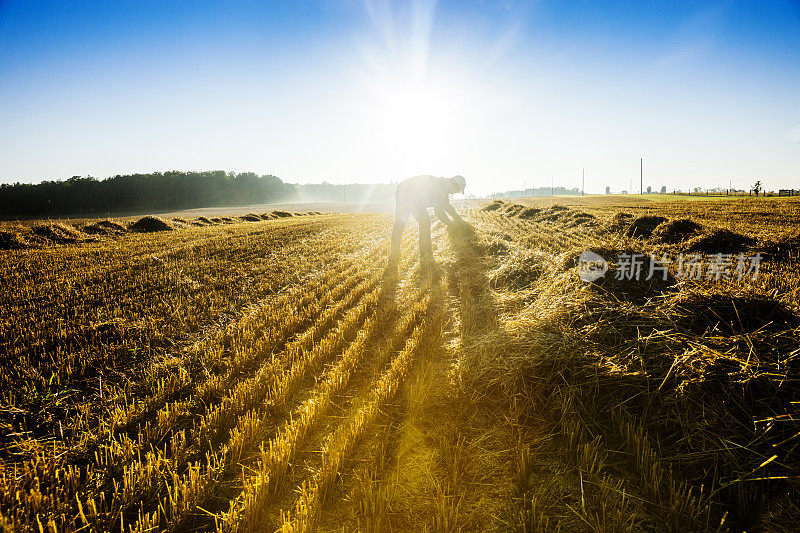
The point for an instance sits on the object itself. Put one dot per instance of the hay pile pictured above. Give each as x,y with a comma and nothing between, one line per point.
620,221
519,270
530,212
626,278
513,209
786,248
496,247
105,227
150,224
709,376
580,218
555,213
13,240
719,313
676,231
58,233
251,217
720,241
494,205
643,226
281,214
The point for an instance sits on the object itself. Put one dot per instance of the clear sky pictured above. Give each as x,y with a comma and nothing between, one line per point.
506,93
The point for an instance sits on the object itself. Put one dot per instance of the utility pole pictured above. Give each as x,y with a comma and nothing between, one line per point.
583,180
641,166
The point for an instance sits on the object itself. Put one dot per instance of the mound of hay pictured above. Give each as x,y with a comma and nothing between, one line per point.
720,313
58,233
676,231
627,276
104,227
12,240
217,220
720,241
519,270
227,220
620,221
581,218
783,249
150,224
644,226
281,214
552,217
204,220
251,217
179,222
530,212
496,248
494,205
555,213
266,216
513,209
706,378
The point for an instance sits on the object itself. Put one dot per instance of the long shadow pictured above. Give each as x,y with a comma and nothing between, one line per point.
469,282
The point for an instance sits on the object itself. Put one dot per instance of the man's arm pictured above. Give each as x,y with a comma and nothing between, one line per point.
453,213
440,212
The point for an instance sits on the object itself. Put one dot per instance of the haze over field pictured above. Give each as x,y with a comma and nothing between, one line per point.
506,93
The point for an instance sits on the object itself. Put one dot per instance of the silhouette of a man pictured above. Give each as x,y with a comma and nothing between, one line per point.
414,196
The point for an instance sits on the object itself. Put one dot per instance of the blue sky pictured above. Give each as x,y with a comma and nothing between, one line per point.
507,93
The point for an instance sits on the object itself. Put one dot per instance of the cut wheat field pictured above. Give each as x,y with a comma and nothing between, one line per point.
266,373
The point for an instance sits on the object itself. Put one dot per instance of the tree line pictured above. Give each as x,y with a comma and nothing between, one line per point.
360,193
539,191
157,191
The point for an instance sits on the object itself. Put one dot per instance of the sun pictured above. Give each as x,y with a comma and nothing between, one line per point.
415,117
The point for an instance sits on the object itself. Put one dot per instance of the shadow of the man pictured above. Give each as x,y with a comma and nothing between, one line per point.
470,283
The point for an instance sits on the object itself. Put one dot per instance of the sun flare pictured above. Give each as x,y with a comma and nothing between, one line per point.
416,117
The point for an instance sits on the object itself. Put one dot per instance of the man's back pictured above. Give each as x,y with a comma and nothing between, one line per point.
421,191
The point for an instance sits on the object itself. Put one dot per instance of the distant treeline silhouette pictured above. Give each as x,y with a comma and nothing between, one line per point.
143,192
352,193
539,191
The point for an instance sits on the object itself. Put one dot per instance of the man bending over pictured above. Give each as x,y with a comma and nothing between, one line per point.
414,196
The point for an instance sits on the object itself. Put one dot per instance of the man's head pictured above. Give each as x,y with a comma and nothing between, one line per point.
458,183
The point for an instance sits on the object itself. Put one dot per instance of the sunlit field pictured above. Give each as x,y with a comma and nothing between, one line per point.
262,372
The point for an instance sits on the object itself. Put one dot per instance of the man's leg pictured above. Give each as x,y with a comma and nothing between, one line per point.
425,251
400,219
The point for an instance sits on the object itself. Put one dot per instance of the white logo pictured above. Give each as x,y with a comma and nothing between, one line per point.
591,266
